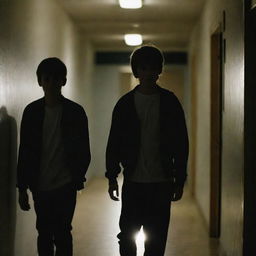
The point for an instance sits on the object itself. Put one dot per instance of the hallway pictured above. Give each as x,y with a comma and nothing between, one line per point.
95,226
79,33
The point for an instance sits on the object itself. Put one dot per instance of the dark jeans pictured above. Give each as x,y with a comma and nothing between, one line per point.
147,205
54,212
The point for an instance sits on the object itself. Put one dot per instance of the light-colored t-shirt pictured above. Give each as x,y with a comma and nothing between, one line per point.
149,167
53,171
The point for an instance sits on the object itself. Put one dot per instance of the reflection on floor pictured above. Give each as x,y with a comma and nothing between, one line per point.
95,226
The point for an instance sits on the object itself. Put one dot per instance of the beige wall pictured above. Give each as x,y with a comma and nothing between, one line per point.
30,31
232,156
105,93
173,79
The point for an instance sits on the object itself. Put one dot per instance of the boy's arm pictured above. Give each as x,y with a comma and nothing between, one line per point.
22,184
181,148
113,190
24,200
113,153
21,166
84,151
86,140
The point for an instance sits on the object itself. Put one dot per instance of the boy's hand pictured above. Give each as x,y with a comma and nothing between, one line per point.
113,187
177,193
23,200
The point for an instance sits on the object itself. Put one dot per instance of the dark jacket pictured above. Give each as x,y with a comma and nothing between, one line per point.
74,128
124,138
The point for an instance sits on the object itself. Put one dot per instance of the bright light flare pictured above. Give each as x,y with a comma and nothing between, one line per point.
133,39
140,237
130,4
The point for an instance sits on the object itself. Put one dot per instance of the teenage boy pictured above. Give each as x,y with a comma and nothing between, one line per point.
148,137
54,155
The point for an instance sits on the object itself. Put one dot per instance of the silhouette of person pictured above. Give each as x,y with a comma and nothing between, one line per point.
148,137
54,155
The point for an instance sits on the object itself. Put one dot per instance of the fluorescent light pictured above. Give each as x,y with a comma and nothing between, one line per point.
133,39
130,4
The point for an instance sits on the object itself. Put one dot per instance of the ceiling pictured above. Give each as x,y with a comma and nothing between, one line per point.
165,23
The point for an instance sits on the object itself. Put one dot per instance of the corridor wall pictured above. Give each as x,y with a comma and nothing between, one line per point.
232,25
31,30
105,93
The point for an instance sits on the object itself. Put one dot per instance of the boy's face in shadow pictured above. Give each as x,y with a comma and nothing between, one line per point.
52,84
148,73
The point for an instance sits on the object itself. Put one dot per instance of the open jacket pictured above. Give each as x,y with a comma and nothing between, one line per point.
74,129
124,138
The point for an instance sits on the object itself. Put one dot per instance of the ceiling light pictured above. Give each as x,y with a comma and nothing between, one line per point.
130,4
133,39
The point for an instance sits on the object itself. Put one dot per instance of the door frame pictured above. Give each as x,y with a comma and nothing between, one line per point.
249,228
216,131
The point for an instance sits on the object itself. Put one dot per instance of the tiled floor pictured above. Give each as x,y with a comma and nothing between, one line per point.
95,226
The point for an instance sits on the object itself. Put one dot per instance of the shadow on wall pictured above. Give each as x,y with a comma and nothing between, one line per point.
8,158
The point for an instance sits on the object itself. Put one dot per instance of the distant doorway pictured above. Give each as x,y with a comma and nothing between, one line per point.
216,132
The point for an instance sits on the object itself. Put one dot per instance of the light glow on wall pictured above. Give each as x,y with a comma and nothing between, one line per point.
253,4
133,39
130,4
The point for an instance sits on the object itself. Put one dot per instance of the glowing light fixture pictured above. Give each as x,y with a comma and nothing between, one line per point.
130,4
133,39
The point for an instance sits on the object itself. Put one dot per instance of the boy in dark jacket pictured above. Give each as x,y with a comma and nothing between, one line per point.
54,155
148,137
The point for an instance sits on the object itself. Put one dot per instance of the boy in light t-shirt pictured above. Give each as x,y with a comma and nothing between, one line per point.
148,137
54,156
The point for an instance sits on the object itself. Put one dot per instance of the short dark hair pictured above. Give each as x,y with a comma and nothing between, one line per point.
51,66
147,54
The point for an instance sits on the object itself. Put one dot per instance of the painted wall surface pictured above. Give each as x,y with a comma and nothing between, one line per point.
105,93
232,155
31,31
